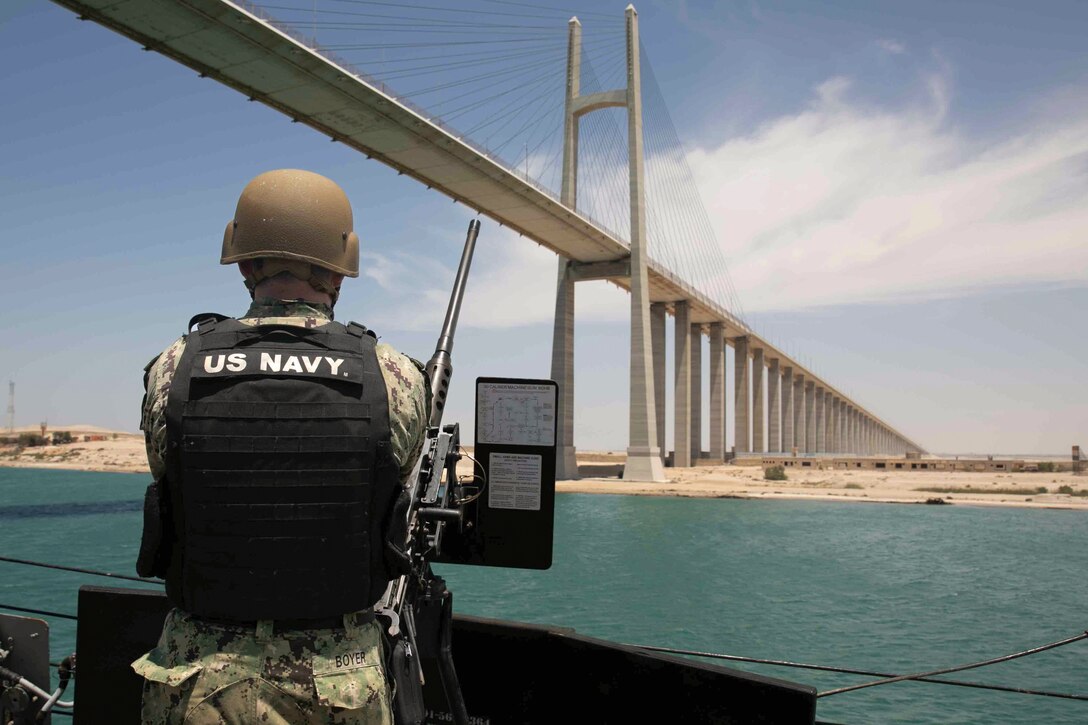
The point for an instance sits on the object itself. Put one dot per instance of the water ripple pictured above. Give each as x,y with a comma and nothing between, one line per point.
60,510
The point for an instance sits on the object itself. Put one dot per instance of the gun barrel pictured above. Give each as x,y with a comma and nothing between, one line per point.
440,366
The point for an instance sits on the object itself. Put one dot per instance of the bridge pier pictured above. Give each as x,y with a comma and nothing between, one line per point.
696,392
834,425
855,439
788,416
757,400
681,429
774,403
742,396
799,413
566,464
828,397
717,392
658,313
810,416
643,455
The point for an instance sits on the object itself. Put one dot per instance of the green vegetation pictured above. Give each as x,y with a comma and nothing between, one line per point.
968,489
1046,466
774,473
853,485
1072,491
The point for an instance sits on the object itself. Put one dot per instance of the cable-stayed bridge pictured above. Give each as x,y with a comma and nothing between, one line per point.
567,141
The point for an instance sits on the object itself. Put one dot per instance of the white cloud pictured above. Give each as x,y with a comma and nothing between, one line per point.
892,47
843,203
511,283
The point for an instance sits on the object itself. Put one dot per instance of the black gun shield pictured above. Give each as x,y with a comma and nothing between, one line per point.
511,524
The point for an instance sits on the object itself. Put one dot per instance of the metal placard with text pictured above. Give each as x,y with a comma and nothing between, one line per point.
510,524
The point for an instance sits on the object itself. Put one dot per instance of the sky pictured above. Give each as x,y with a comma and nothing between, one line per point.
900,192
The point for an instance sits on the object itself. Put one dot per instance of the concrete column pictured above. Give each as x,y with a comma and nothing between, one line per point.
810,417
696,392
566,466
717,392
787,409
742,396
847,442
828,397
757,400
821,429
681,440
658,313
844,421
774,403
643,455
855,439
845,428
799,419
833,425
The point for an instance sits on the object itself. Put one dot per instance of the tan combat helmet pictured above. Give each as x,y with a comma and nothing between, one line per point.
294,220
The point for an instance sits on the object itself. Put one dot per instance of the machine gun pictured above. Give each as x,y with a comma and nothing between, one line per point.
417,607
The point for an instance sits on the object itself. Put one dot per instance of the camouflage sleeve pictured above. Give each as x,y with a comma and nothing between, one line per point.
159,374
407,387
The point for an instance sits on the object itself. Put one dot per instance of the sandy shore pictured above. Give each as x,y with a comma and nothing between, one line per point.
124,454
600,471
600,475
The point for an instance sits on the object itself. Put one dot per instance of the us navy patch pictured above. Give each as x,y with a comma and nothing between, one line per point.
278,362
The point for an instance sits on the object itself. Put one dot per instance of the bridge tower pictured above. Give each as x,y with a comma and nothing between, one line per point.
644,461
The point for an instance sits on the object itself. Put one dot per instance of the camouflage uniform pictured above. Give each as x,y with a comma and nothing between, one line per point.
204,673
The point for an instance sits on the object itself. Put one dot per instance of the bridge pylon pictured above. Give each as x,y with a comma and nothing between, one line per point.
644,462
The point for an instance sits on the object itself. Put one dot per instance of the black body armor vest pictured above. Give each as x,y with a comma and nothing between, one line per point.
280,476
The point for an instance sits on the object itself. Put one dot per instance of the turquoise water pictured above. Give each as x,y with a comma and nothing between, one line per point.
870,586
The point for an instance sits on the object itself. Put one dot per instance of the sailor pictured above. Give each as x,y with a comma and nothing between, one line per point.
279,443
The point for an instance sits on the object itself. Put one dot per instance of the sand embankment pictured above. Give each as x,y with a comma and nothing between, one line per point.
123,454
600,471
600,475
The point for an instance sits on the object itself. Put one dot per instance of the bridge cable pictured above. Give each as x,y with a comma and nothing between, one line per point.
702,239
474,12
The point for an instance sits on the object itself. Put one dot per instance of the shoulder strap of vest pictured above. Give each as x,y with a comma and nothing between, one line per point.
358,330
204,318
